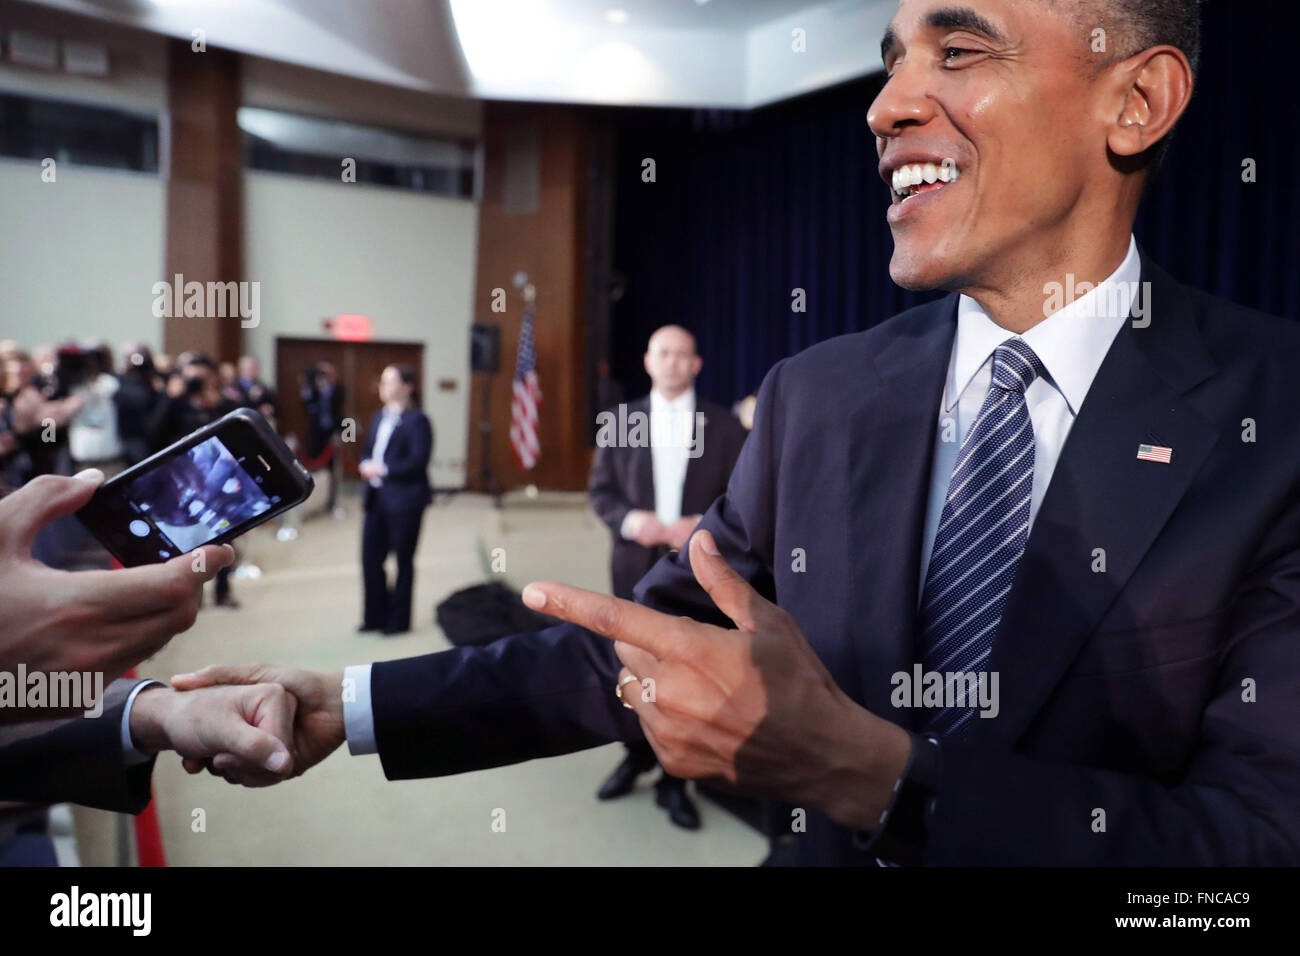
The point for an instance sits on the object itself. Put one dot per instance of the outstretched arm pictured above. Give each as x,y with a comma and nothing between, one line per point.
106,761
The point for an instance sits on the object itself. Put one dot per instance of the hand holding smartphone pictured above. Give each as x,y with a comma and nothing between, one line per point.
208,488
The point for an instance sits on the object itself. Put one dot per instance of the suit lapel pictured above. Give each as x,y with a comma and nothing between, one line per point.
891,445
643,460
1102,497
693,483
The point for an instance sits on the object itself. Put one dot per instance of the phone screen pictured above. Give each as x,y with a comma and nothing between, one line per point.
194,497
212,485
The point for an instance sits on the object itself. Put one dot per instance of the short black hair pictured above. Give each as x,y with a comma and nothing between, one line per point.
1142,24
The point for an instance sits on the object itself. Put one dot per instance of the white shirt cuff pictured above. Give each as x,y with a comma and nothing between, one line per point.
358,716
630,526
130,756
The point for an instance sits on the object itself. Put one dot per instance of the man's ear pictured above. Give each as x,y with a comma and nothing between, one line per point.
645,361
1157,86
697,363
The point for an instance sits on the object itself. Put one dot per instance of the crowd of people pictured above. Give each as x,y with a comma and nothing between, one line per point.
68,408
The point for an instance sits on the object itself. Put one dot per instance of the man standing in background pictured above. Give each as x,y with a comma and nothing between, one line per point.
322,397
651,491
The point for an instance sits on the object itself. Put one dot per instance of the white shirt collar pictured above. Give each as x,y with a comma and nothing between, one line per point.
1071,342
684,402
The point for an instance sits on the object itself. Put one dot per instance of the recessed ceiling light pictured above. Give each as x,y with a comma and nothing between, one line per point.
616,17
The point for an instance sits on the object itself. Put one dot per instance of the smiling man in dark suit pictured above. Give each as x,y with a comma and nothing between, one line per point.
660,462
1073,480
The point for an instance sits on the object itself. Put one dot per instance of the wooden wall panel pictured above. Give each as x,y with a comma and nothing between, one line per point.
548,243
204,190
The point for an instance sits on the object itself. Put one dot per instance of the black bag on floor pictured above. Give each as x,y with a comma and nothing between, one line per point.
481,613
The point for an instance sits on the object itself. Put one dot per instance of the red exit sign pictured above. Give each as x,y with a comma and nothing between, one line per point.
350,328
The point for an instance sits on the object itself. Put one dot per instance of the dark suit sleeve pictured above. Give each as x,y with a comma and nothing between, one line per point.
1237,804
78,760
734,436
603,491
369,447
552,692
742,520
412,460
521,697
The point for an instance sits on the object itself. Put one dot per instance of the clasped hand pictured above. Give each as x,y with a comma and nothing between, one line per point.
249,728
752,708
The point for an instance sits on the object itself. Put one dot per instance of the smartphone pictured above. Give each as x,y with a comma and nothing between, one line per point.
211,486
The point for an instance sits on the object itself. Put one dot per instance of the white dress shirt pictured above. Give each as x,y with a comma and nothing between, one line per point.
387,423
671,427
1070,343
92,432
130,755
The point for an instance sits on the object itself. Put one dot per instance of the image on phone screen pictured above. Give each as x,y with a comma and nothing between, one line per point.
194,497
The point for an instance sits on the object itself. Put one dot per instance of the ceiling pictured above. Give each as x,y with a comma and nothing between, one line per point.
720,53
685,14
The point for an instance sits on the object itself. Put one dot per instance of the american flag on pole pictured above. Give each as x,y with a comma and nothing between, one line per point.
527,398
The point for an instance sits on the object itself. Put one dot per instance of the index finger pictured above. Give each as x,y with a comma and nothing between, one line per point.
661,634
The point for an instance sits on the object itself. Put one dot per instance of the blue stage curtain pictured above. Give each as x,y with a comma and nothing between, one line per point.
747,207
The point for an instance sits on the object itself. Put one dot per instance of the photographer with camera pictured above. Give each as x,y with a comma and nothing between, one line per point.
93,438
35,414
198,401
322,398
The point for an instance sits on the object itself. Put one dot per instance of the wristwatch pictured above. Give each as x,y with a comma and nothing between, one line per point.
900,837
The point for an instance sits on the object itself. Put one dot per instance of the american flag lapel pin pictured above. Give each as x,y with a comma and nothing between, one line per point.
1160,453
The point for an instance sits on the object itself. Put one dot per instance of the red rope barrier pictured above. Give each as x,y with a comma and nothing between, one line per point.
320,462
148,833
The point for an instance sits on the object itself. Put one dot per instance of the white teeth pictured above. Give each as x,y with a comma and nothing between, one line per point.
914,174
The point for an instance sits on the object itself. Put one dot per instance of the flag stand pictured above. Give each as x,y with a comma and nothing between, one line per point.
487,478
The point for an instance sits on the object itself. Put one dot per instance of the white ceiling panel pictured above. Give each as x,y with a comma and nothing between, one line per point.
720,53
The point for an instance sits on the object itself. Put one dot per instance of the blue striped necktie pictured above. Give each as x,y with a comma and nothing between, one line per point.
981,535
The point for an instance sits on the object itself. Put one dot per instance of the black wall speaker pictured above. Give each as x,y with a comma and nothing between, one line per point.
484,347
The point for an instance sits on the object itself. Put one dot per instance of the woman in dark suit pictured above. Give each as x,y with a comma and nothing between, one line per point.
394,466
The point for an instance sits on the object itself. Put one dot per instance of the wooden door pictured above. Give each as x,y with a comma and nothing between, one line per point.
359,366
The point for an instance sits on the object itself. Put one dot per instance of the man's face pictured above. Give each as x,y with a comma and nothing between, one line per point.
671,362
996,92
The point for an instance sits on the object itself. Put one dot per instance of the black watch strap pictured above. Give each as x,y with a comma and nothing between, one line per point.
900,838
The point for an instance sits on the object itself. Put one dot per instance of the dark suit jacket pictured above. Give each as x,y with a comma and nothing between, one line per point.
406,487
77,760
622,480
1164,690
322,421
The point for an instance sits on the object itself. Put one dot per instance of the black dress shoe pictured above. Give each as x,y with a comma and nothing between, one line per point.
390,631
681,808
620,782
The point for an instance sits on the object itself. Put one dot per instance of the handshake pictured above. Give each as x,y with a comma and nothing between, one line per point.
249,724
